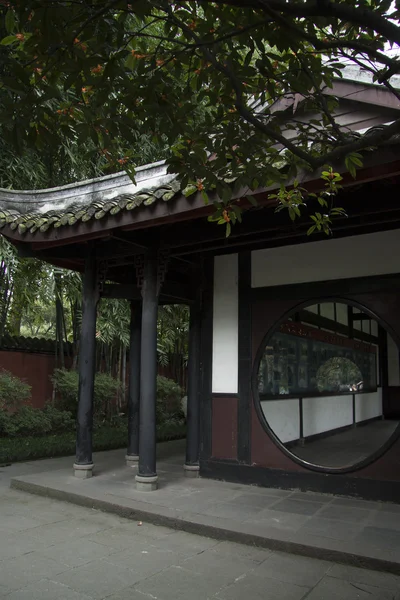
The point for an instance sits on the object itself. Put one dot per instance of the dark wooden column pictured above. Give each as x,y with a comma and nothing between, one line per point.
191,466
244,358
132,454
384,369
206,347
146,479
83,466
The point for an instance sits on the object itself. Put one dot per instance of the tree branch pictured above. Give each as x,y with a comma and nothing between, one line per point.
240,103
362,16
330,44
212,42
375,138
99,13
322,100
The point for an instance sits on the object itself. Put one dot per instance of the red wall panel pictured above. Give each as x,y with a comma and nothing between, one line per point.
34,369
224,427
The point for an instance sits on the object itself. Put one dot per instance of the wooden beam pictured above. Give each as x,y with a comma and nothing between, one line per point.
291,236
171,292
359,203
41,241
360,317
116,290
325,323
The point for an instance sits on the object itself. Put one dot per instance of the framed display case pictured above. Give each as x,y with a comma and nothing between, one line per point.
299,360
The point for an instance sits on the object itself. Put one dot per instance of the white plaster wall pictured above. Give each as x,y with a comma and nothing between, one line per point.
393,361
378,376
374,328
369,405
313,308
328,310
323,414
225,325
357,324
283,418
356,256
342,313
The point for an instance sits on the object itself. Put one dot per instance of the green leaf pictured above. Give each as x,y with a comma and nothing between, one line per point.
311,230
350,167
10,21
9,39
237,211
131,62
228,230
356,161
252,200
189,190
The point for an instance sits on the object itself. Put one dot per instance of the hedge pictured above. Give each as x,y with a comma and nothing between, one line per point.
63,444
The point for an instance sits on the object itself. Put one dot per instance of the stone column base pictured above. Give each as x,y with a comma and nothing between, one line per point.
131,460
192,471
83,471
146,484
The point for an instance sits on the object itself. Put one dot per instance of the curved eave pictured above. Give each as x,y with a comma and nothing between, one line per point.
145,208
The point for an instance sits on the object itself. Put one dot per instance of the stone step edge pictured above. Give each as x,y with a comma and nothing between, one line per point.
211,531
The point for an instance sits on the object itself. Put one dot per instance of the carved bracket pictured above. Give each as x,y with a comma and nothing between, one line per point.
139,267
162,267
102,270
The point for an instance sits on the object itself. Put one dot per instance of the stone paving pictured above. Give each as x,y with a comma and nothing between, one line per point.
51,550
347,447
345,530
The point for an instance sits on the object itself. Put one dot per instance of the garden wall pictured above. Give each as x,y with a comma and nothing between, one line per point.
36,369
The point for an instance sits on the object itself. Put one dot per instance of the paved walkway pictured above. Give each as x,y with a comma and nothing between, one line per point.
51,550
344,530
347,447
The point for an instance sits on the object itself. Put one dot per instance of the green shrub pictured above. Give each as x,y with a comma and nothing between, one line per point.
5,423
106,389
14,449
13,391
66,384
119,421
29,421
61,420
169,395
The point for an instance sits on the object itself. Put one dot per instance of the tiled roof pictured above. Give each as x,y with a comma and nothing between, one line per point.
79,212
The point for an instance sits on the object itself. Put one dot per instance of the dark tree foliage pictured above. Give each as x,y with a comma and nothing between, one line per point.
207,81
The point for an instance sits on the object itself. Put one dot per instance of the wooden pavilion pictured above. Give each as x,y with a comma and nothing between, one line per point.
151,245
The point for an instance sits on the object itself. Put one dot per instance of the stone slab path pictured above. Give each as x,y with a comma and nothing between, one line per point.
345,530
52,550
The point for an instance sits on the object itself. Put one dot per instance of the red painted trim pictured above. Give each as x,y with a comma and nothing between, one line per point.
304,331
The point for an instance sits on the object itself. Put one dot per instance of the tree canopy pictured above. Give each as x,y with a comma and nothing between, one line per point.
207,82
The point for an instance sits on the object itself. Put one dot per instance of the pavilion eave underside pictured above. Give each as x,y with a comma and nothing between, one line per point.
371,206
